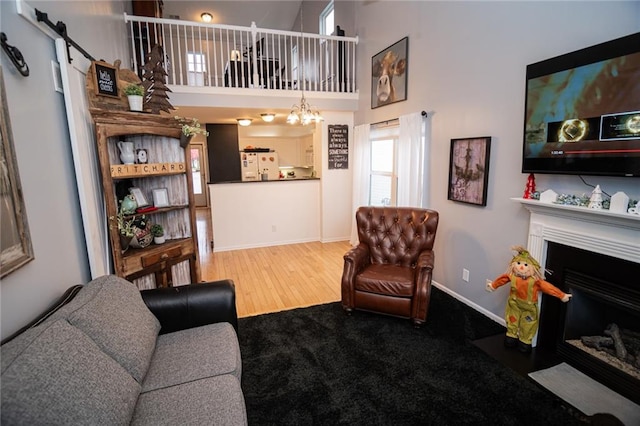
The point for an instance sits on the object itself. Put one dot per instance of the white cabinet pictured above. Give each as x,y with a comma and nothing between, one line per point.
292,151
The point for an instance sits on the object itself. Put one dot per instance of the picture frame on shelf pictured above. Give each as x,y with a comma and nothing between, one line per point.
469,170
161,197
142,156
137,193
106,79
389,69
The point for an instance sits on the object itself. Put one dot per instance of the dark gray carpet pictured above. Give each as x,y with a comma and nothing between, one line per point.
318,366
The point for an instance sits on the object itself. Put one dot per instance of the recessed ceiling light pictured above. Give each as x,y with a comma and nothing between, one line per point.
268,117
206,17
244,121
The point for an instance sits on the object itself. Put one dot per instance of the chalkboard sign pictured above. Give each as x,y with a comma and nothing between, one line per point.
106,79
338,146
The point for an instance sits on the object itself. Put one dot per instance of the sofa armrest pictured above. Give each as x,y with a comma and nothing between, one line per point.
193,305
355,260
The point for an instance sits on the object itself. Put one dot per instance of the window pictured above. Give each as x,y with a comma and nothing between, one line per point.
326,20
196,67
384,176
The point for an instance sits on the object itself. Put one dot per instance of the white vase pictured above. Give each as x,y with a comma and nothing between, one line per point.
135,102
158,240
127,156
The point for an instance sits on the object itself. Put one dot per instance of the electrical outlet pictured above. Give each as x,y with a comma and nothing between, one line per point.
465,275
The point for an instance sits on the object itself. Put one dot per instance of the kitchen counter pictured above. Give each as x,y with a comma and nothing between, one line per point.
264,181
284,211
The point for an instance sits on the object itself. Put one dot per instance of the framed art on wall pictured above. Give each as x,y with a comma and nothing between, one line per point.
389,74
15,240
469,170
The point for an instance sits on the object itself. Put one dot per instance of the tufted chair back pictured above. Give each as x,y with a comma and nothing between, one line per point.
396,235
390,269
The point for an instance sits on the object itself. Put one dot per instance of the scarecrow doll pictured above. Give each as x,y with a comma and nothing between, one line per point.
521,314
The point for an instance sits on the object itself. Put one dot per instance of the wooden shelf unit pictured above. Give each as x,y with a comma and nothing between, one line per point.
170,168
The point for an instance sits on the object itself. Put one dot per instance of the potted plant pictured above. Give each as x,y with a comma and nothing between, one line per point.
134,93
190,127
158,233
125,229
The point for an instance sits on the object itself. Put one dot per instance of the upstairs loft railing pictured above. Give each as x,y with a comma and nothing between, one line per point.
214,55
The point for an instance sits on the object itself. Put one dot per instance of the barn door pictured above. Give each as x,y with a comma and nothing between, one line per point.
85,159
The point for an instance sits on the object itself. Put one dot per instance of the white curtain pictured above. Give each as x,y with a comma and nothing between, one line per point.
361,174
412,161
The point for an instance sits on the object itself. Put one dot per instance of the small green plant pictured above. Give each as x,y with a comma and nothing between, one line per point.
157,230
190,126
134,90
125,226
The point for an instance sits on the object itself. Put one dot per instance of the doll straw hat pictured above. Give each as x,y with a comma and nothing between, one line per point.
524,256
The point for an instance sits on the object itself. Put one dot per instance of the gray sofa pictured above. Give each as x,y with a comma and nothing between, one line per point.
103,358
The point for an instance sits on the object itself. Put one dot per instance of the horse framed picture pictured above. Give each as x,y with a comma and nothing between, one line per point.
389,74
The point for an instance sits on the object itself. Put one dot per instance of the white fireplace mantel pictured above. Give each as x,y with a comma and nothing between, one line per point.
600,231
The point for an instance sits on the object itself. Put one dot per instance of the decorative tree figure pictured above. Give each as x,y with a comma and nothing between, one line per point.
153,78
595,202
530,188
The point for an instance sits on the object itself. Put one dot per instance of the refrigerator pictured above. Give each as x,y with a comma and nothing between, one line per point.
254,164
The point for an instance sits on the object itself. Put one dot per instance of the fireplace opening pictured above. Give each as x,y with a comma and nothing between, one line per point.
602,325
598,330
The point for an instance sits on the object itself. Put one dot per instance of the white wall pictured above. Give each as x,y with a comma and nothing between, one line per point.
337,184
43,151
467,68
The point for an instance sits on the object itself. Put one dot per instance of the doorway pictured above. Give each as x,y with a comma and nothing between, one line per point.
199,173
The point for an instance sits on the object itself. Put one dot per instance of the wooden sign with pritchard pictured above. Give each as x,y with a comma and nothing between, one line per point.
106,76
338,146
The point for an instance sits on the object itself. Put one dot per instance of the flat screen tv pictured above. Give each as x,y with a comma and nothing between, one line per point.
582,111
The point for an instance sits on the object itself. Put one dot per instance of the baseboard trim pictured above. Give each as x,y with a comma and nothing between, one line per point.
469,303
262,245
334,239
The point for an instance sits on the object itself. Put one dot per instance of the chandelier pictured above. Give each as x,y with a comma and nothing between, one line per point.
303,113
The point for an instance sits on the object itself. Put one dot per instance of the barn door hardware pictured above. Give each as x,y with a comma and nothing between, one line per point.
15,56
61,29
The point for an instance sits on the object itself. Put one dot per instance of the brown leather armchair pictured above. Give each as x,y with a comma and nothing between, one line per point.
390,270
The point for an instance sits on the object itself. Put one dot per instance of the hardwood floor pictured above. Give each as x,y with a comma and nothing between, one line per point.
271,279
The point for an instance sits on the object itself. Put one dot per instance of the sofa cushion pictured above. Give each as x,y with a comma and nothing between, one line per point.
211,401
117,319
62,377
193,354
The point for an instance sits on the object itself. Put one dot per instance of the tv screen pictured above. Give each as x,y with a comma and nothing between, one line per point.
582,111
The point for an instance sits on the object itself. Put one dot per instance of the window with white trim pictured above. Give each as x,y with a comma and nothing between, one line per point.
196,67
384,174
327,20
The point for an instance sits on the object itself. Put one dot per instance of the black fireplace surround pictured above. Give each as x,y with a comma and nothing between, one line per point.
605,290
